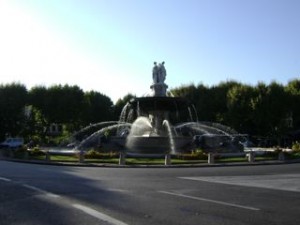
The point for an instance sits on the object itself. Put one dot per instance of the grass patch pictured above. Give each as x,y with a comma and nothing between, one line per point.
106,160
63,158
227,160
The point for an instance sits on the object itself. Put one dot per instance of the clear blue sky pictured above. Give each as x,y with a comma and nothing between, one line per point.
110,45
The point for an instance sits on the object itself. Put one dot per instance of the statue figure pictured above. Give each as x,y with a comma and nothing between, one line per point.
162,72
155,73
159,73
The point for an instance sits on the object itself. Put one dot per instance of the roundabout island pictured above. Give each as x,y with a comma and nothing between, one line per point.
156,129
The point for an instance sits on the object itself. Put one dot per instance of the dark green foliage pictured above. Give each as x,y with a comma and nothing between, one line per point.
271,111
92,154
13,98
98,108
59,104
296,147
36,152
263,110
66,105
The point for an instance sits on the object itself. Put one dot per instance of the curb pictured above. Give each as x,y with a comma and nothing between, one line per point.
107,165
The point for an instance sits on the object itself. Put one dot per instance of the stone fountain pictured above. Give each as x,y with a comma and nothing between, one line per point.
158,124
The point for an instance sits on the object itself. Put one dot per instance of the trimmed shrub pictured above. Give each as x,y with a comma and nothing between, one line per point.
296,146
199,154
36,151
92,154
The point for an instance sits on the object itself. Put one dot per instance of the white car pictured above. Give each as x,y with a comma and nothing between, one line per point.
12,142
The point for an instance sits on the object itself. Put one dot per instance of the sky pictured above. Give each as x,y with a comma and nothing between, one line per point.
109,46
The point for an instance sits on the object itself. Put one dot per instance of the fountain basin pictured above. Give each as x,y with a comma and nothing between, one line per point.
152,144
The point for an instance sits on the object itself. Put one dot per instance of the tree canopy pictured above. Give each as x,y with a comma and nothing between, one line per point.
271,110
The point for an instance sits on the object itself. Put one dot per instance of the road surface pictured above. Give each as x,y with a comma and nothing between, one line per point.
45,194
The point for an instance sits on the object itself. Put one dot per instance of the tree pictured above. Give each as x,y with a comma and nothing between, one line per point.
259,105
13,98
240,109
59,104
98,107
293,92
217,104
277,103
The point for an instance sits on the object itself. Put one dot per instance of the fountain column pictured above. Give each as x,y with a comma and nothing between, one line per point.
159,90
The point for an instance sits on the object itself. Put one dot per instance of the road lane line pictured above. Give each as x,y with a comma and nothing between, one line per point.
5,179
210,200
283,182
49,194
98,215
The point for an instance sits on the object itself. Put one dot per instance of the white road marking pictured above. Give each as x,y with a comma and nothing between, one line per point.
118,190
5,179
87,210
98,215
284,182
49,194
210,200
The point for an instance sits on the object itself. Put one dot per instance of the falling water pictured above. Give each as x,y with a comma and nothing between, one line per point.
190,114
122,117
141,127
91,126
123,114
130,117
138,109
170,135
99,134
195,111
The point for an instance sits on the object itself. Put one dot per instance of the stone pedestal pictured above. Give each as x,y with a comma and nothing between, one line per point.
159,89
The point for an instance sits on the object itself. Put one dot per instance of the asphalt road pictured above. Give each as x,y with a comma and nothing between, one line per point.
42,194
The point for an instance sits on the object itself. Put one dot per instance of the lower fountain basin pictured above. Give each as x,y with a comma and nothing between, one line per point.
152,144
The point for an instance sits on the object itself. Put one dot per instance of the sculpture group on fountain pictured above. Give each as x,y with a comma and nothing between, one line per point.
159,73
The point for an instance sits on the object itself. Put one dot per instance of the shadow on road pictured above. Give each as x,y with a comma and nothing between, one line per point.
26,195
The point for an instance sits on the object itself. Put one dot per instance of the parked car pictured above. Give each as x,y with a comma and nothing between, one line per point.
12,143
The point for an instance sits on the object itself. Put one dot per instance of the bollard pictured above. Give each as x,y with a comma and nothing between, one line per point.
251,157
281,156
11,153
167,159
81,157
122,158
211,158
47,156
26,155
